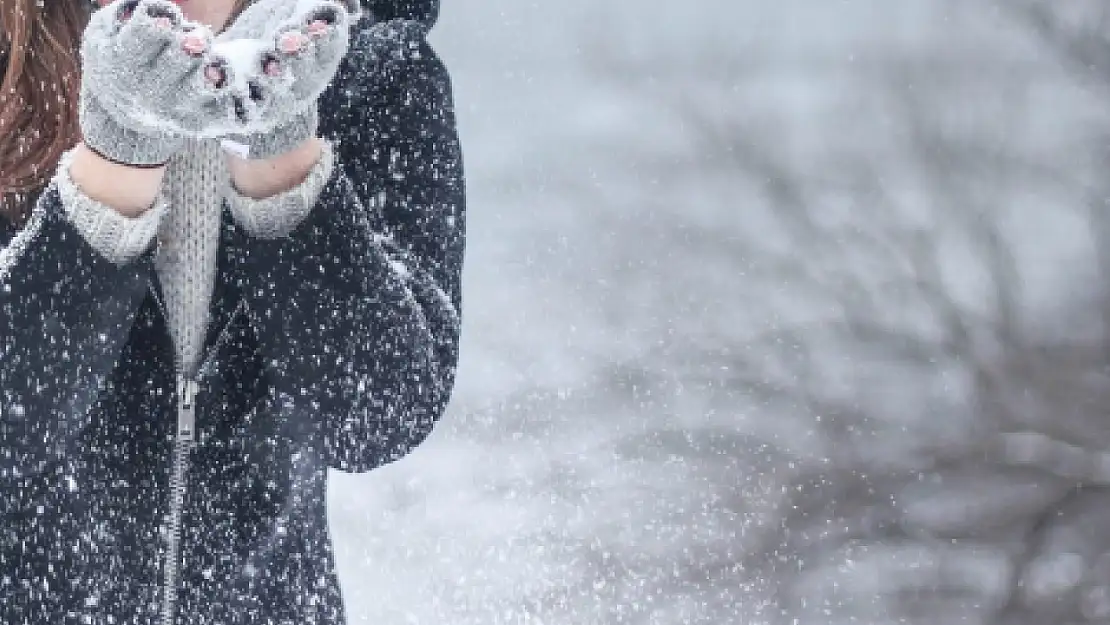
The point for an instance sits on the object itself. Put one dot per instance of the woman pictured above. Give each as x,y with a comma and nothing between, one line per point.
189,338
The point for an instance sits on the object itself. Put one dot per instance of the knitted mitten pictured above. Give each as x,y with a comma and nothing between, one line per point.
142,93
287,52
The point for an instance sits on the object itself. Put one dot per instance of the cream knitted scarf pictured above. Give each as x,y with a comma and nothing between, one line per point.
186,220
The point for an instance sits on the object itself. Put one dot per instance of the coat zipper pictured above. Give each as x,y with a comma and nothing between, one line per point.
184,439
183,444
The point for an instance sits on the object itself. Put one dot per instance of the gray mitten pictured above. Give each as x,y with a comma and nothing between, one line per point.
286,54
142,93
264,17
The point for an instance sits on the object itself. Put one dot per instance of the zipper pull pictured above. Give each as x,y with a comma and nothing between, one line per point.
186,409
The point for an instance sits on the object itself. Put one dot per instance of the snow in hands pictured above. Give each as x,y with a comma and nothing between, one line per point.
266,68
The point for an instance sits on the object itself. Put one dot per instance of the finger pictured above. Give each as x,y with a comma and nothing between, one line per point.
125,10
306,64
271,65
316,42
195,39
292,41
331,13
318,28
217,74
184,57
316,18
194,45
292,51
325,20
160,13
149,27
214,75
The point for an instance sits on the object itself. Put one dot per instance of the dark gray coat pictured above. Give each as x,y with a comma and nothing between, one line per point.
335,347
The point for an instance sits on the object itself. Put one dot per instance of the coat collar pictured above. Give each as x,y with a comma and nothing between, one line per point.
226,295
425,11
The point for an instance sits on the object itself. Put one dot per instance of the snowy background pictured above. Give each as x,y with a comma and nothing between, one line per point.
776,312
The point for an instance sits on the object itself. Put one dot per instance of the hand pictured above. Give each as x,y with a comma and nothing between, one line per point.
149,80
265,17
287,53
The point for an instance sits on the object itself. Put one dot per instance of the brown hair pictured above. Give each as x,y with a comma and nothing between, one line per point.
40,61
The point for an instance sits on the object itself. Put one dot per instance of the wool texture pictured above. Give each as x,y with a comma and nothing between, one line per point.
117,237
276,216
185,219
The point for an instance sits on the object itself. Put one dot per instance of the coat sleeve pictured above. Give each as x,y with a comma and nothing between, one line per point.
65,314
357,309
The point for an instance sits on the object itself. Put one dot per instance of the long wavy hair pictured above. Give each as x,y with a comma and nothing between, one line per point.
40,70
39,56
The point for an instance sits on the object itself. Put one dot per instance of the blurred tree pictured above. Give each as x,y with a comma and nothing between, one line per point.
973,486
863,298
906,327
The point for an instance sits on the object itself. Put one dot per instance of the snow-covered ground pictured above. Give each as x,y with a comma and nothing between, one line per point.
605,461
